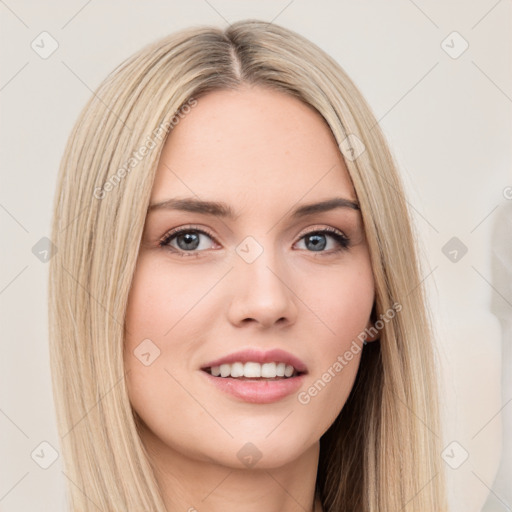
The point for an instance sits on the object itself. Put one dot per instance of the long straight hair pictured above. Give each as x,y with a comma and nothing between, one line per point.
382,453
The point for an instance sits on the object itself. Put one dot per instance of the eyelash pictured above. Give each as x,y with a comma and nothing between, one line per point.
341,239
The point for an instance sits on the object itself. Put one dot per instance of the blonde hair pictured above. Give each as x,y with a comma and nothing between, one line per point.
382,454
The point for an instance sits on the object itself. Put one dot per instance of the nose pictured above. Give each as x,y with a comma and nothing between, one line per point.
262,293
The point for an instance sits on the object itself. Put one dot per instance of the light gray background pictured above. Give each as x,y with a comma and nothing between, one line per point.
448,121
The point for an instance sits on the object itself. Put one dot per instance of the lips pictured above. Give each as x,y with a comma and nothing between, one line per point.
255,356
228,374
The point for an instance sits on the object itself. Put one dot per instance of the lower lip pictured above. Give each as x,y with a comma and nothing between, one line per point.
257,391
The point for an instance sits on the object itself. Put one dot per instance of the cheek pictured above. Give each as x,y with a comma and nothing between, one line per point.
344,303
148,332
165,323
348,308
152,305
161,300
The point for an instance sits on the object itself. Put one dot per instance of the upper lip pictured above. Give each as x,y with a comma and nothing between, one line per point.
258,356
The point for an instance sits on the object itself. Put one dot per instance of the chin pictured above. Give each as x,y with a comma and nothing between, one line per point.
265,453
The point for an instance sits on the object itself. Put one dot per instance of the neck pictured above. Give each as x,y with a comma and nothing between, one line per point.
192,485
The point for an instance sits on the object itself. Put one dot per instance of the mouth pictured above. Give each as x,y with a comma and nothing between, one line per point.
256,377
253,370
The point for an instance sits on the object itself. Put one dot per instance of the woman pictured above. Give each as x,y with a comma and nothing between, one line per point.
236,313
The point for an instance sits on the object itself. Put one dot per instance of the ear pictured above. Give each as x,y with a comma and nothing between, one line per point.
372,333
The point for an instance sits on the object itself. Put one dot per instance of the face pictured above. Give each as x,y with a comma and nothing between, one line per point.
237,293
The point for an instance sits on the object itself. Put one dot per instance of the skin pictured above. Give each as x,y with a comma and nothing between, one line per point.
264,153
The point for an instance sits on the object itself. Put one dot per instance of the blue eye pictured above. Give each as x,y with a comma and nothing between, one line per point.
318,240
188,241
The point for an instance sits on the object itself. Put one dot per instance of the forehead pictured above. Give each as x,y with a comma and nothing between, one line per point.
251,145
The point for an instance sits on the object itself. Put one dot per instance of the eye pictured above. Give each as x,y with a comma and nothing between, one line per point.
317,240
187,239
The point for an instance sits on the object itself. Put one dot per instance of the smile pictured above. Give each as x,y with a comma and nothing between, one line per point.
253,370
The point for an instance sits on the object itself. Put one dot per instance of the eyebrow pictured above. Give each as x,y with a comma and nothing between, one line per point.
219,209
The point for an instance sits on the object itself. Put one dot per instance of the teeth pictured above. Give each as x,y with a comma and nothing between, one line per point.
253,370
225,370
269,370
237,370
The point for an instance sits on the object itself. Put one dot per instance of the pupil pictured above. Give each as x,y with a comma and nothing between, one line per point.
189,239
318,241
